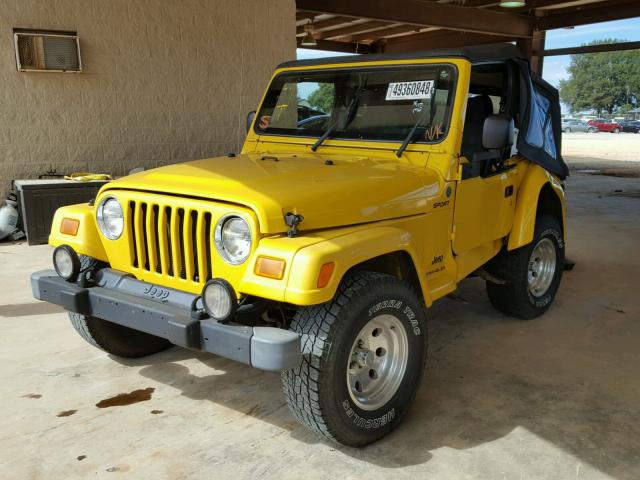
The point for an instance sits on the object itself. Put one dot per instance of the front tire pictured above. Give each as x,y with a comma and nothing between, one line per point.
616,130
363,357
116,339
532,273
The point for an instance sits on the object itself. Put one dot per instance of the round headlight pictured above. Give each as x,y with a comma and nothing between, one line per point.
233,239
66,262
110,218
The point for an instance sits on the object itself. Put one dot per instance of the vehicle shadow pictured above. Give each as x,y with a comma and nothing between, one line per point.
487,376
27,309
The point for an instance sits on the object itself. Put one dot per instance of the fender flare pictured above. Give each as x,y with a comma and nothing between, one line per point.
524,219
346,252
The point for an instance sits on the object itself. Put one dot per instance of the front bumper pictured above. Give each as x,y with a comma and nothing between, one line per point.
119,298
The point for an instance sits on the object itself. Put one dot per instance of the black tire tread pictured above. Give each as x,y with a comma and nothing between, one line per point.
302,384
90,264
508,265
116,339
318,326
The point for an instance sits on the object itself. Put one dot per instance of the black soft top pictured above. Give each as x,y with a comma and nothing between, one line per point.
538,117
497,52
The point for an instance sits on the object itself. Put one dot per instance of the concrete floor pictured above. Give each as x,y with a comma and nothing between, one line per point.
554,398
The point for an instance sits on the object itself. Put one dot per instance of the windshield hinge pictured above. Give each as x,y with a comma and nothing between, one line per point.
453,233
293,220
458,174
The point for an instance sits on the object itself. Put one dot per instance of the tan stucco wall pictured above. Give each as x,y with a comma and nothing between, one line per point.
164,81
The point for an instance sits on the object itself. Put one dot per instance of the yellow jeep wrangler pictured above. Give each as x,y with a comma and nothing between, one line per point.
367,188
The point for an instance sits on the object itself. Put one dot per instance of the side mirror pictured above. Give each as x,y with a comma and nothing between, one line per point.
498,132
250,116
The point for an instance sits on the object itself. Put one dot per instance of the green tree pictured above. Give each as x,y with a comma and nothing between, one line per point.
602,81
322,98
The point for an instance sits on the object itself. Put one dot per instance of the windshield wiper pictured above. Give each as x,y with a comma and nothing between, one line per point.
324,136
410,135
352,105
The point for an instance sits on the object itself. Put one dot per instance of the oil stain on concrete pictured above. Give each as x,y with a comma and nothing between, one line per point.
124,399
66,413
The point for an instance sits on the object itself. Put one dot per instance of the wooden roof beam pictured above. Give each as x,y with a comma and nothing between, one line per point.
352,29
427,14
332,46
384,32
603,47
324,24
440,39
302,15
603,12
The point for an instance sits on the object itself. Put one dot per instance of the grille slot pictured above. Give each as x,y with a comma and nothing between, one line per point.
167,230
208,238
174,242
132,222
181,242
194,246
144,221
153,227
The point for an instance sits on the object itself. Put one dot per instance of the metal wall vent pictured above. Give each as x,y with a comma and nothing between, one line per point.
38,51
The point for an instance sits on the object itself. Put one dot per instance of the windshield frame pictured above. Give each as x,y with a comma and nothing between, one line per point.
393,143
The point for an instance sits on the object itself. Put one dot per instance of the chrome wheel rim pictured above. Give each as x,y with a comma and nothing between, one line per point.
542,267
377,362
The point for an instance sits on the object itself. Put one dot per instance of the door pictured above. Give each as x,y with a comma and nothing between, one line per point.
483,211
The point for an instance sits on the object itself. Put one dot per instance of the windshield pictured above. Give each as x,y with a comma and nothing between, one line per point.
383,103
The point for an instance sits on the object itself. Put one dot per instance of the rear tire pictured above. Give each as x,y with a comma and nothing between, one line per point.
532,273
616,130
352,387
591,130
116,339
567,130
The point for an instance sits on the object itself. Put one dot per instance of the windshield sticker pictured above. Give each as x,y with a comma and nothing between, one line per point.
410,90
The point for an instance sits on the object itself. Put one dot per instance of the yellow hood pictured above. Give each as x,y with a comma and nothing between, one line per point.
329,191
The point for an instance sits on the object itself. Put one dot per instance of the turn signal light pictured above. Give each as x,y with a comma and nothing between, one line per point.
69,226
325,274
270,267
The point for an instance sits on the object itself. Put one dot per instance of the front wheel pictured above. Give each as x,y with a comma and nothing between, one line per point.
591,130
567,130
532,273
616,130
116,339
363,358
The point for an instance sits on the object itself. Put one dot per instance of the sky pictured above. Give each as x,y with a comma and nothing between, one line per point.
555,68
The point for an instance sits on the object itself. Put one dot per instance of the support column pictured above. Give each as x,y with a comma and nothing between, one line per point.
537,47
532,48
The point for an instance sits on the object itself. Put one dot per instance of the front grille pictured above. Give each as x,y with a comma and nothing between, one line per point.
171,241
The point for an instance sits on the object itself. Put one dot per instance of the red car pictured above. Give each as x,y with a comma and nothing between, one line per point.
605,125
